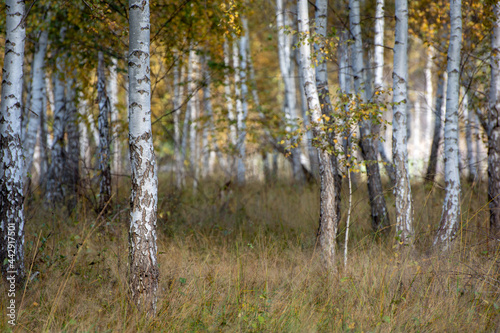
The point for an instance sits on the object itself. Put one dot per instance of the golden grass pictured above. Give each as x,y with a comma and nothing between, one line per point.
247,262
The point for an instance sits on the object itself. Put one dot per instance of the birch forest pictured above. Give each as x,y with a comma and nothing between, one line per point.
250,166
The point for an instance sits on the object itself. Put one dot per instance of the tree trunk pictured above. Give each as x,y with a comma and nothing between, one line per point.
144,199
104,153
55,191
177,111
469,122
85,155
71,171
436,138
229,104
115,121
429,92
450,217
243,111
328,224
324,94
11,154
287,74
192,108
402,189
380,218
494,129
36,103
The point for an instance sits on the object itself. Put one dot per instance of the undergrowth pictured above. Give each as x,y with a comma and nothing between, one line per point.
245,260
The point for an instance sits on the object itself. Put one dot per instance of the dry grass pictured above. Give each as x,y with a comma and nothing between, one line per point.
247,262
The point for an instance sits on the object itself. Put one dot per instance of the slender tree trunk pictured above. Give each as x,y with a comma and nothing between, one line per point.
379,81
450,217
229,105
429,92
328,224
71,171
55,191
36,103
177,133
402,190
104,153
287,73
85,155
115,121
324,94
436,138
242,113
380,218
494,129
192,108
142,235
11,154
469,122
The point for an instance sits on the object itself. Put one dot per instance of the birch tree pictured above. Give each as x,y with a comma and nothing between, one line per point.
328,224
287,74
104,153
380,218
55,193
494,128
402,190
243,111
114,117
450,217
324,92
11,155
143,277
436,137
36,103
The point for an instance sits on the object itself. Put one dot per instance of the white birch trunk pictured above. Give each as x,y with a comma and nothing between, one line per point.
11,154
104,166
402,190
144,271
450,217
469,123
192,108
239,106
324,94
429,94
494,129
177,134
328,227
287,73
243,111
229,105
115,121
36,103
85,155
55,191
380,218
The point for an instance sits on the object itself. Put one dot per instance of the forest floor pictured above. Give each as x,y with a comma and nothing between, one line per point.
246,261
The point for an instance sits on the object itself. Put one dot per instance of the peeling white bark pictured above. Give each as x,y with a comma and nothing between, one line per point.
328,220
11,154
144,271
402,190
450,217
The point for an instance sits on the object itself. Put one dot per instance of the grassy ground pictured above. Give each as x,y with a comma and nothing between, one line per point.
246,261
